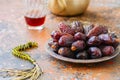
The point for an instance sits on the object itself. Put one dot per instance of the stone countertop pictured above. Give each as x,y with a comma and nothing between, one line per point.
13,31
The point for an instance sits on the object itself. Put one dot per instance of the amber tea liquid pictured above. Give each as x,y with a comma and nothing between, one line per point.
34,20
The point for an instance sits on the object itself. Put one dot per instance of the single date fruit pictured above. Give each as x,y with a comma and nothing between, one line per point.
54,46
78,45
66,40
66,52
77,26
64,28
106,39
97,30
79,36
93,41
107,50
82,55
56,35
94,52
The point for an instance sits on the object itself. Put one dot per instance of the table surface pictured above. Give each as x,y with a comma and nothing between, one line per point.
13,31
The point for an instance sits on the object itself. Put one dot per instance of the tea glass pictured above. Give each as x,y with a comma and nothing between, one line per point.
35,14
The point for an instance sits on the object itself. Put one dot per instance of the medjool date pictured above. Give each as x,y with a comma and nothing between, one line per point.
66,40
78,45
94,52
97,30
106,39
64,28
54,46
108,50
66,52
93,41
77,26
56,35
79,36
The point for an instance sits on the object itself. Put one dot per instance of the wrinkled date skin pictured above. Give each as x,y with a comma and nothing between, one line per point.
64,28
97,30
87,28
77,26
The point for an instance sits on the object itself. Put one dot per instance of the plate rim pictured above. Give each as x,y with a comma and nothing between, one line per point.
62,58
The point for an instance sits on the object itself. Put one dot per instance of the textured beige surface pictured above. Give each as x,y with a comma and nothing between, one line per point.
13,32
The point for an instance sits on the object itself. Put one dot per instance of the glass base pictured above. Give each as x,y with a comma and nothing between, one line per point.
35,27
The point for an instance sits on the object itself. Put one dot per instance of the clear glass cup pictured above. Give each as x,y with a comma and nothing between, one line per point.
35,14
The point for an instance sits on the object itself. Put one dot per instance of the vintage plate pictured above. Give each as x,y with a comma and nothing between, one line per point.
57,56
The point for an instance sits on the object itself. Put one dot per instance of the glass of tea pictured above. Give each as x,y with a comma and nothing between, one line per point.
35,14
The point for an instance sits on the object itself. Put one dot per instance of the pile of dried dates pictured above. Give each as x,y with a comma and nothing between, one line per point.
83,42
